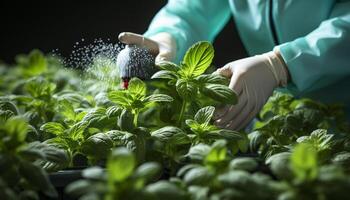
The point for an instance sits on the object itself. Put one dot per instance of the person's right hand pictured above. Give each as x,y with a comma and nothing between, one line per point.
161,45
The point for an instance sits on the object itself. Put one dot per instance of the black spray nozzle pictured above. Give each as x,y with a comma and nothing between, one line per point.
134,61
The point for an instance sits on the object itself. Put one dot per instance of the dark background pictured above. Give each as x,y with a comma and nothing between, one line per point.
58,25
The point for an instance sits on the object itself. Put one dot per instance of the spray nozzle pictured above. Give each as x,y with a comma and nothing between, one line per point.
125,83
134,61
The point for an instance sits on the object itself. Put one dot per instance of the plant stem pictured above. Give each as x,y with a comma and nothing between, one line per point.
182,112
136,116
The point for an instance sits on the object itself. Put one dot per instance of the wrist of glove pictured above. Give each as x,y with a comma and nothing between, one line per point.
161,45
253,79
277,66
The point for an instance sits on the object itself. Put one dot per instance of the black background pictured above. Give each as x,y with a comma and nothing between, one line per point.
58,25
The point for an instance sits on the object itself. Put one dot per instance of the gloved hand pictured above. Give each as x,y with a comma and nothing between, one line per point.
253,79
161,45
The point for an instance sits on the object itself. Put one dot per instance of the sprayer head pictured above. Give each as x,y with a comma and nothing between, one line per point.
135,61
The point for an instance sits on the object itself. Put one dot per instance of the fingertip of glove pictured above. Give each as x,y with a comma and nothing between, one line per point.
160,59
224,72
128,37
121,36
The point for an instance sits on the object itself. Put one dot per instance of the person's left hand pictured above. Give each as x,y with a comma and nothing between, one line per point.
253,79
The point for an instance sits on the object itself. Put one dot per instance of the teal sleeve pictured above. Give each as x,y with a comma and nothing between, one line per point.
322,57
189,21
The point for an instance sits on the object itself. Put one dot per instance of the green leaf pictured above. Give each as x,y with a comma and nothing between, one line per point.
220,93
186,89
342,158
77,130
148,171
169,66
212,78
125,121
304,162
165,190
319,139
197,59
120,165
133,142
243,144
54,128
9,106
37,177
80,187
52,158
164,74
280,165
193,125
171,134
137,87
17,128
204,115
183,170
28,194
113,111
198,152
33,64
200,192
158,98
120,97
95,115
94,173
235,178
224,134
217,152
30,152
5,115
256,138
38,87
198,176
55,159
66,109
98,146
120,137
140,141
166,133
246,164
70,96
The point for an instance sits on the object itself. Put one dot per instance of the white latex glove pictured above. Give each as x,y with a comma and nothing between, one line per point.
253,79
161,45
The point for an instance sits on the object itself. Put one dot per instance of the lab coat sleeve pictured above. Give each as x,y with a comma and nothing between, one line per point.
189,21
322,57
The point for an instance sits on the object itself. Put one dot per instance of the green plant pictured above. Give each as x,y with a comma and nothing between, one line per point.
190,81
174,142
284,119
134,99
21,173
157,140
204,132
304,177
124,179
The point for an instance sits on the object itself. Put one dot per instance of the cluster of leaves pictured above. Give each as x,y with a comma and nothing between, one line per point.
69,124
157,140
23,164
122,178
190,82
214,173
284,119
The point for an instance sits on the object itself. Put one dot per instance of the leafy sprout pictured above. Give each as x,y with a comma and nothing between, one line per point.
189,79
135,99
